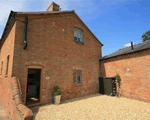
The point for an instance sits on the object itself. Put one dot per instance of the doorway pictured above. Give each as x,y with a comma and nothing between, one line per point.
107,86
33,86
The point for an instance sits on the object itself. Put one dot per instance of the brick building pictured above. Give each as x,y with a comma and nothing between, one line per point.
39,50
132,64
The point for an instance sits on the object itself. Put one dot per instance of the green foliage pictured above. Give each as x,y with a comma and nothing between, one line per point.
146,36
57,91
118,78
117,93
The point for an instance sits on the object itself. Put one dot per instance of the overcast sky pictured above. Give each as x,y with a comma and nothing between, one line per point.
114,22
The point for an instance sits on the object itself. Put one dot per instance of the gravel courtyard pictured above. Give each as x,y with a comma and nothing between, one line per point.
94,107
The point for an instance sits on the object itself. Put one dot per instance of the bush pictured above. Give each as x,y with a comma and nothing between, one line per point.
118,78
57,91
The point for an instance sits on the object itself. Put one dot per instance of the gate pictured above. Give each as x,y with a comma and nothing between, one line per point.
107,86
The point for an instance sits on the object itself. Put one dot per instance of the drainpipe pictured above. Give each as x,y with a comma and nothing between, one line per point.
25,32
131,45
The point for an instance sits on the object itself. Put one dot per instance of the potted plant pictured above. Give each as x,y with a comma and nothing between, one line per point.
57,95
118,85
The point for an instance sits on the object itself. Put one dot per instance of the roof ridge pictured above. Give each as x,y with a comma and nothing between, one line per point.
44,11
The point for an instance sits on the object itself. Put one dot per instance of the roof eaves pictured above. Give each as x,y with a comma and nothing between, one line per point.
105,57
44,12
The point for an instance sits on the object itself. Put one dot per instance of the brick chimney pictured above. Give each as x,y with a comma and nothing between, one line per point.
53,7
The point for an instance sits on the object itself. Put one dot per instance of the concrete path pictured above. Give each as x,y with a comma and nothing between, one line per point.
1,114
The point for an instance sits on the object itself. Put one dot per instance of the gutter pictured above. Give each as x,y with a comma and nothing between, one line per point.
25,32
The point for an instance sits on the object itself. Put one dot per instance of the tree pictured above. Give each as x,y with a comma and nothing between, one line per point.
146,36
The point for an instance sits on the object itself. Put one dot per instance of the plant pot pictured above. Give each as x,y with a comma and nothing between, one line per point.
57,99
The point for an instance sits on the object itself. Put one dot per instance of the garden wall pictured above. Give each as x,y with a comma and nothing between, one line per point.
134,71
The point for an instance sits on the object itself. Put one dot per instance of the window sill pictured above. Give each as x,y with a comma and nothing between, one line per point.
79,42
77,84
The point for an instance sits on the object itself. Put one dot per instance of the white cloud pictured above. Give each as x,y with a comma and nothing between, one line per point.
128,44
6,7
86,9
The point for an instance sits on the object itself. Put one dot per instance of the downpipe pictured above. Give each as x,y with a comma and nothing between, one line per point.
25,33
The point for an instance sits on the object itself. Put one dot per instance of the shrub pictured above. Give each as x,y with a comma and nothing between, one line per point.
118,79
57,91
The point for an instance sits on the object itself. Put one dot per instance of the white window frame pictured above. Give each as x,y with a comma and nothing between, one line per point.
78,33
75,71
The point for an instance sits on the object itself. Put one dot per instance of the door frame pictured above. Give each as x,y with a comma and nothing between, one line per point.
41,81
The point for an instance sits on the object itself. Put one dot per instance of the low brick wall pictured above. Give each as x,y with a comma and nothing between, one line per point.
12,100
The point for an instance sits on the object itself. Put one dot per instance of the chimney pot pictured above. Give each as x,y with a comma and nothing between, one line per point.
53,7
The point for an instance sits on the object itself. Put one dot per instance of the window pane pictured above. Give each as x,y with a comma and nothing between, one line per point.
75,32
75,38
74,76
78,76
1,67
7,64
79,39
78,34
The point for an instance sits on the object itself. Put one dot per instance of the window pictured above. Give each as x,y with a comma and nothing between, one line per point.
7,65
2,68
78,35
77,76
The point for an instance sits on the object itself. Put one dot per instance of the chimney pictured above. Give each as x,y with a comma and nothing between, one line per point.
53,7
131,45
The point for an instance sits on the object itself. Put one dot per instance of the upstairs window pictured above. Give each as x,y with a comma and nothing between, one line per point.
78,35
77,76
7,65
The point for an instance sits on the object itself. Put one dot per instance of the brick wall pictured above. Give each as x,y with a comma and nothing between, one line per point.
53,7
135,83
5,85
11,110
20,111
51,45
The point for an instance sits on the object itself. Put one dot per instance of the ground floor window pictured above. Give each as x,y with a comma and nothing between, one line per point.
77,76
1,67
7,65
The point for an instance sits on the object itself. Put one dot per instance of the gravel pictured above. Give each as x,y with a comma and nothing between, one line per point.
94,107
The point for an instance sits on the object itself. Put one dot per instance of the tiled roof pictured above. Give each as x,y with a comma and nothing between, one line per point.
136,47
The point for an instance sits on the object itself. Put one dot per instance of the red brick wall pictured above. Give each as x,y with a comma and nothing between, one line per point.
57,52
135,83
5,85
11,110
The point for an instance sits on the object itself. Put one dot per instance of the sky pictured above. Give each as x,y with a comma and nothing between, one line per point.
114,22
